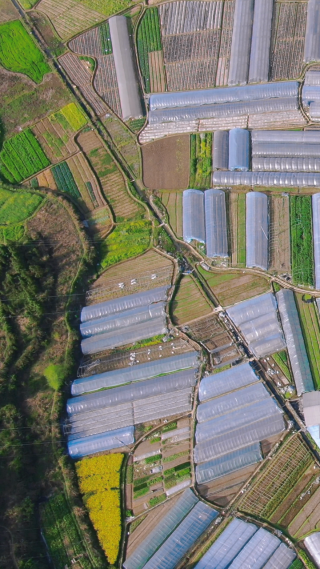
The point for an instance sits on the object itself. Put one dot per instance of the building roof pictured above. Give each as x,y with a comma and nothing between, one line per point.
311,408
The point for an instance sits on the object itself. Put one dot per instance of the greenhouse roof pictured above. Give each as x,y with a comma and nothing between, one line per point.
241,42
239,145
282,179
216,223
312,37
225,381
193,216
257,230
228,463
312,543
260,43
101,442
311,408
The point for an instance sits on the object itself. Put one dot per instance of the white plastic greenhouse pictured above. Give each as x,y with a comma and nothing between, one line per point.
260,43
258,321
220,150
137,372
257,551
266,179
285,136
239,148
257,230
98,443
241,42
316,237
231,401
228,463
193,216
290,149
282,558
216,223
312,41
285,164
312,543
295,342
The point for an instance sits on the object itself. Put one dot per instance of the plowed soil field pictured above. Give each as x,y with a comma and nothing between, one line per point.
166,163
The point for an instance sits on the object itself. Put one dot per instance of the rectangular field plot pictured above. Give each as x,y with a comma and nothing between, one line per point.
237,216
222,490
172,201
174,152
21,157
230,288
125,142
279,233
69,17
189,302
200,160
301,240
287,42
309,319
278,479
112,182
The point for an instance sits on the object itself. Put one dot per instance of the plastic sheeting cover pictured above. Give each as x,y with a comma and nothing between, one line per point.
138,390
310,94
261,38
285,164
193,216
312,543
101,442
241,42
183,538
228,463
312,41
282,179
227,546
231,401
314,110
239,143
224,95
220,150
257,230
123,303
295,343
225,381
125,68
281,559
288,136
312,77
257,551
286,149
134,373
316,237
123,319
161,532
216,223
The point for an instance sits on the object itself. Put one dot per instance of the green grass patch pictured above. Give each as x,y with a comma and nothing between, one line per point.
157,500
104,31
155,440
16,207
297,564
136,124
200,160
174,456
309,320
21,157
55,375
19,53
281,360
148,40
107,7
141,492
169,427
126,240
74,116
301,240
241,237
12,233
152,459
65,180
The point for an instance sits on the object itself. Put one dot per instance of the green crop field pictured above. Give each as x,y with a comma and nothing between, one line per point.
65,180
19,53
16,207
148,40
241,242
309,320
71,116
200,160
126,241
301,240
21,157
281,360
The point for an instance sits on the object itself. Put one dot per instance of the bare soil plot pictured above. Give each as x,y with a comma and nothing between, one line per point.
116,359
279,233
210,332
189,302
166,163
287,42
112,182
148,271
237,228
55,141
230,288
8,11
274,483
307,519
224,489
46,30
288,509
157,74
69,17
172,201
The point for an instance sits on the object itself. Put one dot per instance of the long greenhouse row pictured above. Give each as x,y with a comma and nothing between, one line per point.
235,414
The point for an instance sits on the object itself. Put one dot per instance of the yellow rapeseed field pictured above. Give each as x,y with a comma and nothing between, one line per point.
99,481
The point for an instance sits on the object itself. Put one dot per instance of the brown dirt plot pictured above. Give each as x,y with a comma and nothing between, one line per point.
172,201
189,302
166,163
7,11
279,233
230,288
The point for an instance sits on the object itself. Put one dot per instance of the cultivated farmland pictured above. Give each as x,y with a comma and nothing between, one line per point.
150,51
281,359
16,206
126,240
172,201
189,302
21,157
19,53
287,42
279,233
174,153
230,288
222,490
125,142
309,319
301,240
7,11
237,204
200,160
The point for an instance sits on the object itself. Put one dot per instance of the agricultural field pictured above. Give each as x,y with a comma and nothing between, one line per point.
21,157
114,189
174,153
169,448
200,160
61,533
99,482
44,27
287,40
282,361
237,216
309,320
232,287
126,240
149,47
301,240
16,206
172,201
19,53
189,302
7,11
285,476
279,234
125,143
224,489
150,270
97,43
